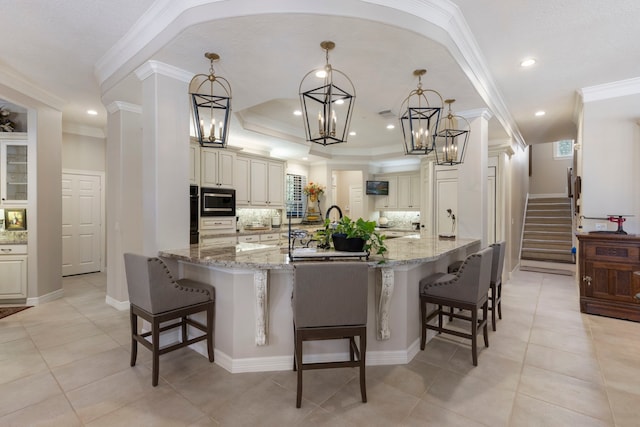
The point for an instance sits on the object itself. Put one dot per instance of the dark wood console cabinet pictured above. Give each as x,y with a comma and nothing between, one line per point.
608,285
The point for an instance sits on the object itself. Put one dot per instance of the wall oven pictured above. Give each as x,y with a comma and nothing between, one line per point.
217,202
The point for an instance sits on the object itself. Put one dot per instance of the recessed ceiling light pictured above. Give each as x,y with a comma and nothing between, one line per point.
527,62
305,158
92,112
352,133
297,113
391,126
540,113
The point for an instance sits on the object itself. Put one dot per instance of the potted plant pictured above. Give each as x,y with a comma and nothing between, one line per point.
355,236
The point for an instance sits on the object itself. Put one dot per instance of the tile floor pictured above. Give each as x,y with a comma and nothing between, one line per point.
66,363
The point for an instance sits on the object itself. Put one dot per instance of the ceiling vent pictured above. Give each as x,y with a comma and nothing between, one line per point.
387,114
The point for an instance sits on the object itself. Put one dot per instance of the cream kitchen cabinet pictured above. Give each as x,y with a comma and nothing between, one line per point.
266,183
408,191
13,272
242,180
218,241
194,164
216,167
13,172
390,201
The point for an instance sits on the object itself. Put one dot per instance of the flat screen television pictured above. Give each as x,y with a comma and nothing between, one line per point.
378,188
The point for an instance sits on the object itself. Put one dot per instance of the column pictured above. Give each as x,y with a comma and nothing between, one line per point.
472,179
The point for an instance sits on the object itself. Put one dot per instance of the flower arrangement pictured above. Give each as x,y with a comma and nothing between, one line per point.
313,189
6,125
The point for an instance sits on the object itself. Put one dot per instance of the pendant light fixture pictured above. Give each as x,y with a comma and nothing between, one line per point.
420,116
327,97
451,138
211,104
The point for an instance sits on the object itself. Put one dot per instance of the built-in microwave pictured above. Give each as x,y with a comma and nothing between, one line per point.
217,202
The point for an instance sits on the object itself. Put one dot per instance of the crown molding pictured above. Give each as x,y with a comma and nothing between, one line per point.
124,106
610,90
83,130
18,84
150,68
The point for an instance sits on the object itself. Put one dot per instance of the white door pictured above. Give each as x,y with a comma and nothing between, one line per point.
356,209
81,223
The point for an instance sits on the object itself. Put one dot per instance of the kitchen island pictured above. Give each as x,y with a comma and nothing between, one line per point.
253,299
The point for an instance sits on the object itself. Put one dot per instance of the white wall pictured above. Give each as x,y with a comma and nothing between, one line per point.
82,152
549,175
610,159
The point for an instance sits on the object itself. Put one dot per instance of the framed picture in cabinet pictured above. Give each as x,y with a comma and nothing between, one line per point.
15,219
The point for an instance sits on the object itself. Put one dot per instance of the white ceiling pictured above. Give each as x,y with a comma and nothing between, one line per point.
83,52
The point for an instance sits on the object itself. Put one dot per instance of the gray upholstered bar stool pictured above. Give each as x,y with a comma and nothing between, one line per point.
467,289
330,302
497,266
157,297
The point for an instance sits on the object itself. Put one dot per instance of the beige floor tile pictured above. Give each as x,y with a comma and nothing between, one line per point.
386,405
413,378
578,344
54,411
111,393
625,407
213,388
321,417
465,395
583,367
529,412
204,421
178,364
27,391
569,392
58,333
266,404
492,368
620,371
576,326
429,415
437,351
505,345
159,409
78,350
85,371
22,365
318,385
12,333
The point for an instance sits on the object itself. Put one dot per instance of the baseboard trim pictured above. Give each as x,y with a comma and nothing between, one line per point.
52,296
118,305
285,363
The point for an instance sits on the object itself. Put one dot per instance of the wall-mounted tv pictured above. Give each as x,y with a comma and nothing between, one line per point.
378,188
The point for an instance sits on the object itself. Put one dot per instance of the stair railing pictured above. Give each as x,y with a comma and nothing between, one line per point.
524,222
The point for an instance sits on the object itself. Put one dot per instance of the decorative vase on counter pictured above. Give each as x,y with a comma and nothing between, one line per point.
351,244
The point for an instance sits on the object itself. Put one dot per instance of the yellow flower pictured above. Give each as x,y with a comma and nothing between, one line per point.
313,189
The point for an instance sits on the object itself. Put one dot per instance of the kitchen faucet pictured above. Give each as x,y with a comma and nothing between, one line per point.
334,207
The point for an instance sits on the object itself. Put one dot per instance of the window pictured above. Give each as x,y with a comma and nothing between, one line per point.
294,198
563,149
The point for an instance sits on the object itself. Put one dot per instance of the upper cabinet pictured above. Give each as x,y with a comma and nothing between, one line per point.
194,164
404,192
266,183
13,172
216,167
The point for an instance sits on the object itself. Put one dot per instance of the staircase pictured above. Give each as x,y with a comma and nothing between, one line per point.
547,236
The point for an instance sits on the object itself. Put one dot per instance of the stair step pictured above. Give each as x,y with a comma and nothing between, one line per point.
549,200
548,256
546,245
547,220
548,228
549,213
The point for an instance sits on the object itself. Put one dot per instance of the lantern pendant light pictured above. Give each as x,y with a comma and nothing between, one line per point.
211,105
451,138
327,97
420,116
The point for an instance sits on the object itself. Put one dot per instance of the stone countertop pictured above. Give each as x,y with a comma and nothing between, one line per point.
401,251
13,237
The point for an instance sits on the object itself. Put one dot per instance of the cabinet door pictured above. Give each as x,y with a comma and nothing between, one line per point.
226,161
14,172
241,180
404,191
414,199
610,281
194,164
390,201
208,167
275,197
259,183
216,168
13,276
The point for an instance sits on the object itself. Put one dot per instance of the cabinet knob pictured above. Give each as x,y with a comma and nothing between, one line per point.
637,296
587,279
